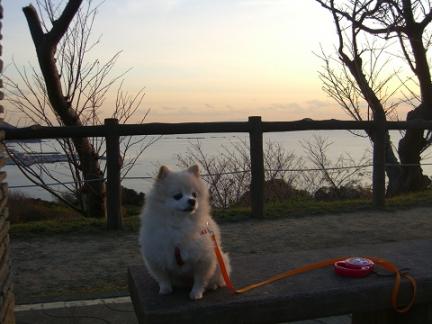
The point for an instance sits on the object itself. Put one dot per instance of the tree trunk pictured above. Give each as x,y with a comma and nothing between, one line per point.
46,43
392,168
410,148
389,19
413,143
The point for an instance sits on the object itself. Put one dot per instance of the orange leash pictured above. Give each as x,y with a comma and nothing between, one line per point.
222,266
290,273
396,287
389,266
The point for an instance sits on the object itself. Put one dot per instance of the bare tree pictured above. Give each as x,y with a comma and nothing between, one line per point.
338,176
228,172
71,90
368,31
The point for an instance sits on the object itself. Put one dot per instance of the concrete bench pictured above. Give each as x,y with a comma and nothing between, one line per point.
315,294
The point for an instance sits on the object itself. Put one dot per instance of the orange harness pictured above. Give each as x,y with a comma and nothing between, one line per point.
387,265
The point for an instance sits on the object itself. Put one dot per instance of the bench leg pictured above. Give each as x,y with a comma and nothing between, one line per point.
419,314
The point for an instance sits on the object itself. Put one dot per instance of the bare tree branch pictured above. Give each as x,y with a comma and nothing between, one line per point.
71,90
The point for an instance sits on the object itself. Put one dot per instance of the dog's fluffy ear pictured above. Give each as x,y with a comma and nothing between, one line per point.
163,172
194,169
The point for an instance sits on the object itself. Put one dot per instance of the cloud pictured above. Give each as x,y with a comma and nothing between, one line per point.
139,7
209,106
176,109
283,111
267,3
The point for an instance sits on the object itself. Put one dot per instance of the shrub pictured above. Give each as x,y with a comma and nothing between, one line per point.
287,176
24,209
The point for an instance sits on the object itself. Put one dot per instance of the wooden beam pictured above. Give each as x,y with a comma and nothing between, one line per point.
114,163
378,173
44,132
257,167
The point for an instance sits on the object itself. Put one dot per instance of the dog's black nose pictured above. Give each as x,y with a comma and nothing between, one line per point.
191,202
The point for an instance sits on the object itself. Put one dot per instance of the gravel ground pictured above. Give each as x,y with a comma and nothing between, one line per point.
85,266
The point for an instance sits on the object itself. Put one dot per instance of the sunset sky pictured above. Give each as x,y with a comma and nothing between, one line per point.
203,60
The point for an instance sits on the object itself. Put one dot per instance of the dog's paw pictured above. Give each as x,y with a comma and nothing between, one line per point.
196,294
220,282
213,286
165,290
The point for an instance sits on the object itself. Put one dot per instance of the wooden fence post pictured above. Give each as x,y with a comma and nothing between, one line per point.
378,176
257,166
114,163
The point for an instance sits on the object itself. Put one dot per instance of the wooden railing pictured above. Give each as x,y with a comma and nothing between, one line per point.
111,130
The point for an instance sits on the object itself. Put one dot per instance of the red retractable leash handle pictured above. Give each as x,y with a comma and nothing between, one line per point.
355,267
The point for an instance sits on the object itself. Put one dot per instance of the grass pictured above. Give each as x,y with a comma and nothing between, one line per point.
291,208
295,208
307,206
75,225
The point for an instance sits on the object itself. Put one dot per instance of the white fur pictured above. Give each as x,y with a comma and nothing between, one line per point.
167,223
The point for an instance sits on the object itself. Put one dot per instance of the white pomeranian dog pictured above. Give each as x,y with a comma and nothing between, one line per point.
174,239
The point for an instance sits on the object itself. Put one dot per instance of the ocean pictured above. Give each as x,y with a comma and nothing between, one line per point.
167,148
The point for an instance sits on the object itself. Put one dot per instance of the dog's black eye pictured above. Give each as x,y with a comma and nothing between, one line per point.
178,196
194,194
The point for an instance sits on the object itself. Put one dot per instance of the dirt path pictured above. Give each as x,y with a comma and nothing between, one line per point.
84,266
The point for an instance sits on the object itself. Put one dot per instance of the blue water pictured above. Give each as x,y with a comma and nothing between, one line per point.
166,149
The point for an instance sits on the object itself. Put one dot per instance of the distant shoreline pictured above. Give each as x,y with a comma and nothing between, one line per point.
30,158
166,150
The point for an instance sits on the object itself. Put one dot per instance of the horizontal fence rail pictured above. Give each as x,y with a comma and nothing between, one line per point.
125,130
111,130
43,132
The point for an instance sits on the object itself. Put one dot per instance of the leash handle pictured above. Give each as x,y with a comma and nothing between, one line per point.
389,266
319,265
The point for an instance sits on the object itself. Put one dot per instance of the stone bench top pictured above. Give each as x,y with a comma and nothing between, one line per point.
318,293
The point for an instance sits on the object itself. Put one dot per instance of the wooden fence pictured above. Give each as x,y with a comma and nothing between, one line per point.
7,297
111,130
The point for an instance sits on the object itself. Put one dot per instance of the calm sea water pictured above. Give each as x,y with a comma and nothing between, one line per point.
166,149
